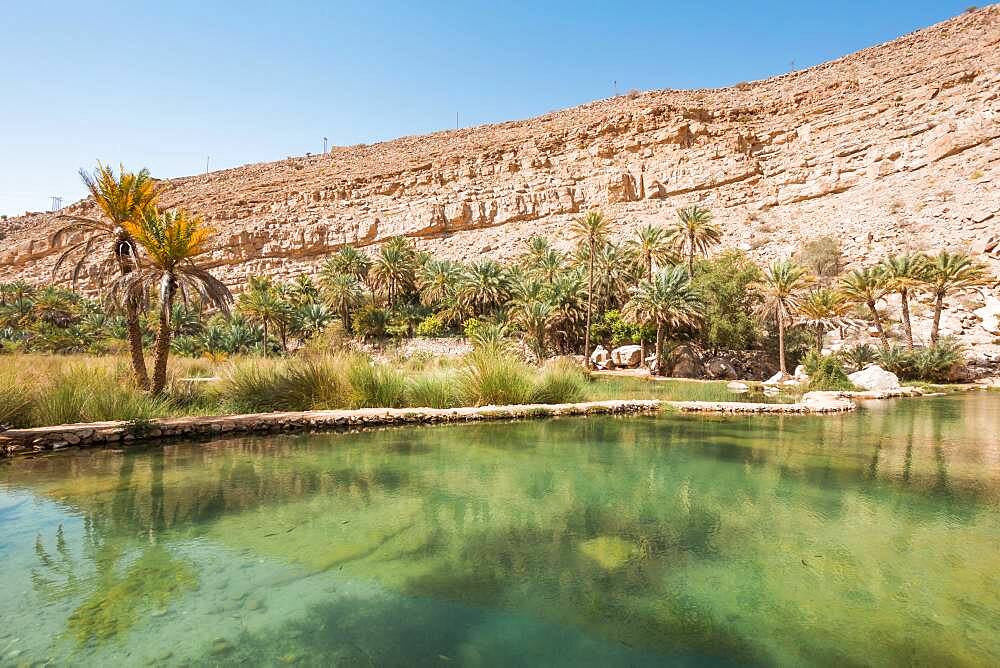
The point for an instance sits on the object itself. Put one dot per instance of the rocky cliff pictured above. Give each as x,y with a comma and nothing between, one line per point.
894,147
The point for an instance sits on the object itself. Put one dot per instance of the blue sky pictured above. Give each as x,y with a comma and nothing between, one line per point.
164,85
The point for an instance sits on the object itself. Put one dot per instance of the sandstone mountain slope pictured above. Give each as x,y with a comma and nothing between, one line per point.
894,147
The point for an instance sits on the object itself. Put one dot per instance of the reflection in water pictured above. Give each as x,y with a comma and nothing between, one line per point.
865,538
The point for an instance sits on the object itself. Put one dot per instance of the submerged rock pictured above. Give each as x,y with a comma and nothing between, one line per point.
874,377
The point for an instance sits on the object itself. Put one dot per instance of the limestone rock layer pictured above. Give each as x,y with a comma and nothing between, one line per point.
891,148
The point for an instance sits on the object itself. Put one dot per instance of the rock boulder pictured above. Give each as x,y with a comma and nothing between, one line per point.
874,377
628,357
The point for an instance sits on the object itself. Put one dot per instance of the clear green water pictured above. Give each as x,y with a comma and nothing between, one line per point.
865,539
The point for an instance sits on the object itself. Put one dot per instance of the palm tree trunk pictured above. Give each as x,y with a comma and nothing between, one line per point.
345,315
904,298
162,345
691,255
590,305
819,339
936,324
781,345
659,349
878,324
264,321
135,344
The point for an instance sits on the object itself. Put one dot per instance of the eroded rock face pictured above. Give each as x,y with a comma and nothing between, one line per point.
891,148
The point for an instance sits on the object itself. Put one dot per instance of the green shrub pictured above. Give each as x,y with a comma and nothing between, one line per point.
318,383
493,376
15,402
614,329
431,326
309,384
859,356
434,390
470,327
938,363
724,284
823,256
375,385
829,374
896,359
560,382
371,322
491,335
252,387
84,393
810,361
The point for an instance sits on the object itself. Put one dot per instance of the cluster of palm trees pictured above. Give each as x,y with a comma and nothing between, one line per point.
554,298
550,295
792,296
151,253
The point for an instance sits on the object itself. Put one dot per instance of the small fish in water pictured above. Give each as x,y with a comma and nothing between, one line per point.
444,658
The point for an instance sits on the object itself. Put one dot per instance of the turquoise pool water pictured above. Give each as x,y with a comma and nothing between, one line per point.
864,539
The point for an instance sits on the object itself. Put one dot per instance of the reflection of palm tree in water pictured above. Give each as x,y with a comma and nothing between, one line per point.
116,600
941,485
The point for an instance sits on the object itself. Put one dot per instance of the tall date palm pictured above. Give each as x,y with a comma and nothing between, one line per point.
121,198
905,274
667,301
867,286
171,240
951,273
590,231
694,233
781,289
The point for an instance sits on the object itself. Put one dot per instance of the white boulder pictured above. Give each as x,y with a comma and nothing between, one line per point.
600,358
776,378
874,377
737,387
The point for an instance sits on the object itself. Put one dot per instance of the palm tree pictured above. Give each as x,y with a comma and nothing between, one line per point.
616,273
437,278
566,294
549,265
667,301
261,304
538,247
590,231
311,319
302,291
906,274
651,246
393,269
343,293
867,286
348,260
171,241
484,287
535,318
694,233
824,310
783,281
121,199
949,273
